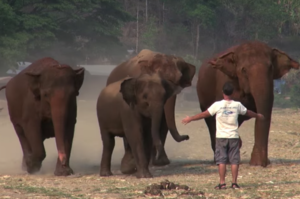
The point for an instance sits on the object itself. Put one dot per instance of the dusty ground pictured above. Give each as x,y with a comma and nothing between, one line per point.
191,161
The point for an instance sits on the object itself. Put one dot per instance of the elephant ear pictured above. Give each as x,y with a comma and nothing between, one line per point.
128,91
188,71
34,84
282,63
225,63
79,78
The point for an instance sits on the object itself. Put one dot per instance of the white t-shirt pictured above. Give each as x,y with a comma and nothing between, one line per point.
227,112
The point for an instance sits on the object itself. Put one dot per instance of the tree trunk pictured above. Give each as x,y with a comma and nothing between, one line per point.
146,10
137,28
163,13
197,41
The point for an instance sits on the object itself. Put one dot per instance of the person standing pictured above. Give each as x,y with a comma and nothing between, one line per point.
227,136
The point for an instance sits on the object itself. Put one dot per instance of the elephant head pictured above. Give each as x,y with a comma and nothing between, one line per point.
147,95
173,69
253,60
55,88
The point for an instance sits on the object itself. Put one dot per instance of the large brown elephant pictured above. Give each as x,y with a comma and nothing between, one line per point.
133,108
42,104
173,69
251,67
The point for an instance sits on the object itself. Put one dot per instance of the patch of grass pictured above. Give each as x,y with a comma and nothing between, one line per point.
77,189
40,190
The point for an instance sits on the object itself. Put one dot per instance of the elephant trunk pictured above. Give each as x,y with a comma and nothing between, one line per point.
262,92
59,111
170,118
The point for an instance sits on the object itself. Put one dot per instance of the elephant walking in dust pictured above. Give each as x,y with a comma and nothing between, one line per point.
251,67
133,108
173,69
42,104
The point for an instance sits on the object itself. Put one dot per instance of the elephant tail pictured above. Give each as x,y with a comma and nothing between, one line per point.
3,87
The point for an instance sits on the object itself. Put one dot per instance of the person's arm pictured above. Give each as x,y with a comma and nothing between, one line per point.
208,113
200,116
254,115
243,111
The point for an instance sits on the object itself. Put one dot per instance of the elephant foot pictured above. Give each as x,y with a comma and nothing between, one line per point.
128,164
31,165
259,162
161,161
144,174
259,158
63,171
105,172
24,166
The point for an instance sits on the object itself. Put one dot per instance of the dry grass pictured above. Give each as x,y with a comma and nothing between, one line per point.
191,165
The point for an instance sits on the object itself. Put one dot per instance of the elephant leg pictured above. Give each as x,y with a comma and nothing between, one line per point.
128,165
33,134
148,142
24,145
211,124
65,170
136,142
240,121
163,159
108,141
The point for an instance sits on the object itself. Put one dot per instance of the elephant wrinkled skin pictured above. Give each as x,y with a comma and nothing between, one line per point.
42,104
173,69
251,67
133,108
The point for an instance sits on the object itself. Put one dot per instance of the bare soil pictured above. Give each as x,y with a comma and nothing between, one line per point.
191,161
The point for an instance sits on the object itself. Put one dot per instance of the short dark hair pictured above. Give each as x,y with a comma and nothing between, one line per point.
228,88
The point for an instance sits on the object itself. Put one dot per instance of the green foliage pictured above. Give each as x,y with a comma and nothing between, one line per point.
77,31
203,12
256,19
34,27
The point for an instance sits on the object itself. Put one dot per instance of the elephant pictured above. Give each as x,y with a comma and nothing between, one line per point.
251,67
173,69
42,104
133,108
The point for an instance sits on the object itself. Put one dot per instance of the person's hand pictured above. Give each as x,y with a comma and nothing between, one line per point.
260,116
186,120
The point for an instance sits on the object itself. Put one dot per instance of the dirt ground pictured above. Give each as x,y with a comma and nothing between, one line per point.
191,161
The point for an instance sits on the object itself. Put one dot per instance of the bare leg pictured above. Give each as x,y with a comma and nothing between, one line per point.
222,173
235,172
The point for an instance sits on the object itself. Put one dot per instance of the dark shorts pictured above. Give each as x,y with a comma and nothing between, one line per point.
227,149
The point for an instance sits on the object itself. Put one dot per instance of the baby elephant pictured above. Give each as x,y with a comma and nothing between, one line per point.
133,108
